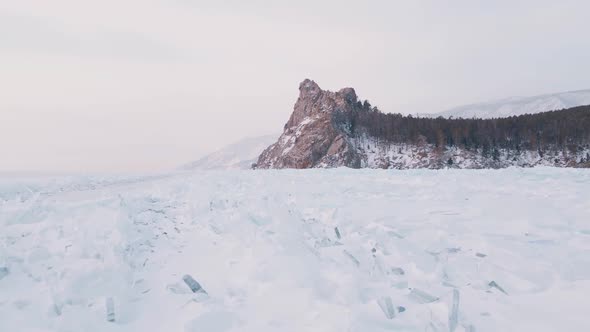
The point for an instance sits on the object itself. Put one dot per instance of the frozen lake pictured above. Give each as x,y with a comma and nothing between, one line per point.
314,250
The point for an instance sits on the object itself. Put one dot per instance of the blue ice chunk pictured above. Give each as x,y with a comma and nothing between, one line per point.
193,284
352,258
454,315
337,233
421,296
493,284
4,271
110,305
387,307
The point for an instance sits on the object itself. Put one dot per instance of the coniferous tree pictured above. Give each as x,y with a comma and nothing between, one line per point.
496,154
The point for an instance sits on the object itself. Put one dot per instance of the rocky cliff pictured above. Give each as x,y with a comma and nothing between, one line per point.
334,129
311,137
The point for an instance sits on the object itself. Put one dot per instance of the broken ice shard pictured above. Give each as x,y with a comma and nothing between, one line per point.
422,297
57,305
110,304
57,309
401,309
387,307
193,284
354,260
3,272
453,250
399,236
454,315
493,284
397,270
337,233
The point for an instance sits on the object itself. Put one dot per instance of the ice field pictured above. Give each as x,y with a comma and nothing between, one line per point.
314,250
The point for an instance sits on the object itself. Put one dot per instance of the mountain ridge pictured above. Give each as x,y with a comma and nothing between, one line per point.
517,105
238,155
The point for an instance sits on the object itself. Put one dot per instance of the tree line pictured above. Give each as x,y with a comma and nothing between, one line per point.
564,129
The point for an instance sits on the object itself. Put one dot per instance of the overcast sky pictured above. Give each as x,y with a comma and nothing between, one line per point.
125,85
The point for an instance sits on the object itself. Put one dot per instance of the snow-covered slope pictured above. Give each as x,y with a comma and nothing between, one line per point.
520,105
376,154
314,250
239,155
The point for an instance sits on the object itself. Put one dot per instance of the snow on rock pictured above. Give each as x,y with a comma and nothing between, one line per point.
313,250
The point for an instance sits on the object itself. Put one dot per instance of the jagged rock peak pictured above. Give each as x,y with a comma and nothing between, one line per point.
310,138
309,88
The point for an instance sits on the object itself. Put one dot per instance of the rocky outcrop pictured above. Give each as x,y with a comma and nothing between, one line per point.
311,137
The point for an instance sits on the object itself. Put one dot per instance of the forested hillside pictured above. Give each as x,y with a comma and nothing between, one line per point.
567,130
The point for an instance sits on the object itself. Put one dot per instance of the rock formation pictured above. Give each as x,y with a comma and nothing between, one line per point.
311,137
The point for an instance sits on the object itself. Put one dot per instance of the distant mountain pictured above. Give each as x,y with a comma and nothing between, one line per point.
519,105
239,155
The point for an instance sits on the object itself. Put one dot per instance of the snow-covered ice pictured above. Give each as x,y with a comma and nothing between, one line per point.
313,250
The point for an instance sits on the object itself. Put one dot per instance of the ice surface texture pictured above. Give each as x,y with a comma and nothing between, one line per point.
313,250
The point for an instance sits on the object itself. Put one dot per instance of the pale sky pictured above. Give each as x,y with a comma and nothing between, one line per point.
146,85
